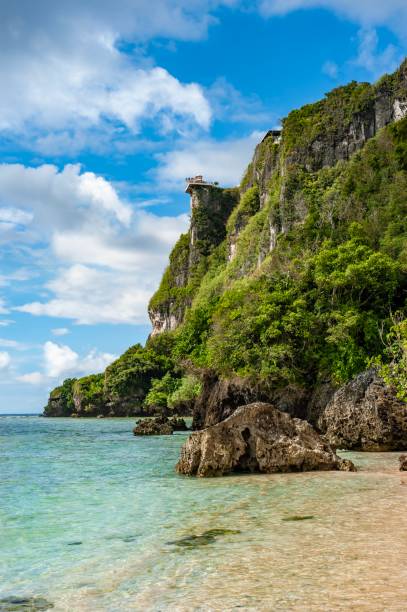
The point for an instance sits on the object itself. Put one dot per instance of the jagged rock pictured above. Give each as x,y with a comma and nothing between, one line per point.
159,426
178,424
258,438
220,398
365,415
403,463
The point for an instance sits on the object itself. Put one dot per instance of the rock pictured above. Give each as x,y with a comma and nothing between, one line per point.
258,438
30,604
178,424
365,415
158,426
403,463
208,537
220,398
100,416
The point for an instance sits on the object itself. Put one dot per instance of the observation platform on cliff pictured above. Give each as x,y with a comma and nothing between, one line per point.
198,181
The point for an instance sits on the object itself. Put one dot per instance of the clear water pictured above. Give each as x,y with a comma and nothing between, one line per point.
87,510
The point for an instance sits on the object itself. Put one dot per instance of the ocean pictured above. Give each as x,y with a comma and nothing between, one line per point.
95,519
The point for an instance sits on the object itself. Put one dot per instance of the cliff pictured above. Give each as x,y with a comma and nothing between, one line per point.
285,288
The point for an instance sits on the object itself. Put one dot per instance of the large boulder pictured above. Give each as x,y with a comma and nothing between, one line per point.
258,438
365,415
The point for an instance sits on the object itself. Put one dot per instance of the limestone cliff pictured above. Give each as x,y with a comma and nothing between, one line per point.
210,208
284,288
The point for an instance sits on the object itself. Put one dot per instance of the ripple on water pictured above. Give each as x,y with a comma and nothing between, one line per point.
95,519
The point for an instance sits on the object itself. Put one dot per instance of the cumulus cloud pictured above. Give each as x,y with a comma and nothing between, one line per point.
60,361
63,69
107,255
223,161
90,296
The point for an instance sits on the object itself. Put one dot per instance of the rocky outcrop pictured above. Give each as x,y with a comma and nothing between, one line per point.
159,426
403,463
210,209
220,398
258,438
365,415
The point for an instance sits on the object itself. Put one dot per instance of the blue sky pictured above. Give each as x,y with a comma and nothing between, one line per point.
105,108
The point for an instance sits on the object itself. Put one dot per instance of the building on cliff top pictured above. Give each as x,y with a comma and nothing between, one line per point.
198,181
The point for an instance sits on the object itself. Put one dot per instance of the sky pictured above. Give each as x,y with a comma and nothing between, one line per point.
105,108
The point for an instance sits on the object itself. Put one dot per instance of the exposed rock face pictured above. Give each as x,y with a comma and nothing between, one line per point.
365,415
159,426
403,463
220,398
258,438
210,209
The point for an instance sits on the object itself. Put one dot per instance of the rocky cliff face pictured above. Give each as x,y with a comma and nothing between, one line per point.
210,209
280,286
365,415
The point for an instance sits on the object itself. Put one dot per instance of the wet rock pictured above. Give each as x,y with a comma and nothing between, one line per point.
403,463
158,426
258,438
365,415
24,604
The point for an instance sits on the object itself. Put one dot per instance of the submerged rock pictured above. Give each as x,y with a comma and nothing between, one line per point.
208,537
159,426
365,415
258,438
26,604
298,517
403,463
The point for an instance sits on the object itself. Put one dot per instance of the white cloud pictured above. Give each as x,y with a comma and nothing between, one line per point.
54,198
368,13
91,296
3,308
60,331
371,59
10,343
331,69
60,361
115,252
223,161
33,378
63,70
5,360
6,322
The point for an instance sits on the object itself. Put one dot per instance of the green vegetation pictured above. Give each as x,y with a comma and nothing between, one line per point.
393,365
316,274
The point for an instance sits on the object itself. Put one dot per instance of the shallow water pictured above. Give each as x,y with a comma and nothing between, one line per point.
91,518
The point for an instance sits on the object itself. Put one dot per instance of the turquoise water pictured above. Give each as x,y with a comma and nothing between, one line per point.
87,512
